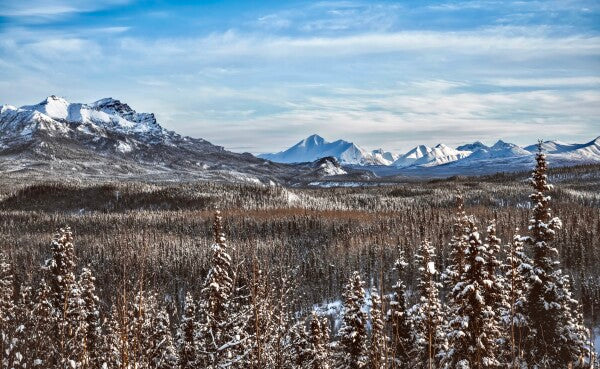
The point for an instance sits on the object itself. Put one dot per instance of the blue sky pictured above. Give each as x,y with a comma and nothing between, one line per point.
258,76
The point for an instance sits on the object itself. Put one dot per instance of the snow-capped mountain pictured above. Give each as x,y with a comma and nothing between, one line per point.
500,149
384,157
587,151
315,147
109,138
472,146
425,156
507,157
109,124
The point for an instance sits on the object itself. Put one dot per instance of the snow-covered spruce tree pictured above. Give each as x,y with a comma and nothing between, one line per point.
352,346
378,341
284,294
551,342
7,312
114,342
428,318
161,352
139,327
473,328
317,341
458,245
513,318
401,341
68,307
187,340
495,293
574,327
262,329
42,342
20,355
297,351
224,315
93,331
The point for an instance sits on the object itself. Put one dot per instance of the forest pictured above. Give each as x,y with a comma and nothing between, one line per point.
466,272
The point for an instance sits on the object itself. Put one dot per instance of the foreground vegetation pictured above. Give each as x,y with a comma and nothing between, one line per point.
157,288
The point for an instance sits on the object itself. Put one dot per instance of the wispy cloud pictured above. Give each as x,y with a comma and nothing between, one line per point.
382,74
40,10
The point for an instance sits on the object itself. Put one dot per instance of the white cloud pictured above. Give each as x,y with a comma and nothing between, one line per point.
285,76
50,9
547,82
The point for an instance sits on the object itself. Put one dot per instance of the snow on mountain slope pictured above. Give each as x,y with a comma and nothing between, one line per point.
315,147
329,166
507,157
426,156
109,138
100,118
585,153
588,150
384,157
500,149
477,145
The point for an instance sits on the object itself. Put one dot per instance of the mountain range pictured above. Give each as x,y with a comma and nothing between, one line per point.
108,139
473,158
315,147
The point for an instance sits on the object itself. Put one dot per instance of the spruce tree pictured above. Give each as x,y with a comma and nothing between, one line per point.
20,354
352,350
298,350
317,341
427,315
43,342
378,341
187,340
67,304
402,335
473,327
495,290
513,316
7,312
458,245
261,326
91,317
224,315
547,344
161,353
114,342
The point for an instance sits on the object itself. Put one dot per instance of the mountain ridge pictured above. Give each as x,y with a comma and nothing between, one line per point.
107,138
467,157
315,147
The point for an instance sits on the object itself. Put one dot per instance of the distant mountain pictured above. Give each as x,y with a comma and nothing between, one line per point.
500,149
477,145
507,157
315,147
588,150
384,157
107,138
425,156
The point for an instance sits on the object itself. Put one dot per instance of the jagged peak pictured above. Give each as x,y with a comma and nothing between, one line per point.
7,107
54,99
112,104
313,139
502,144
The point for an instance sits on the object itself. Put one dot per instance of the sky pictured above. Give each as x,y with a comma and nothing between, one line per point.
258,76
